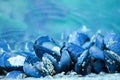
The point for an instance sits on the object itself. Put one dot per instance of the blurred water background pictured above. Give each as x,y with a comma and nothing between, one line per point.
28,19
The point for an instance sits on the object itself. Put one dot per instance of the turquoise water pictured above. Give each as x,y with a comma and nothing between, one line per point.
30,18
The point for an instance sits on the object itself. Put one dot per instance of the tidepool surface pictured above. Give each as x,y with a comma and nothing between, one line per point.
53,16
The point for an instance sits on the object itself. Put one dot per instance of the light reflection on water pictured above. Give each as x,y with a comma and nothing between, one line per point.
52,17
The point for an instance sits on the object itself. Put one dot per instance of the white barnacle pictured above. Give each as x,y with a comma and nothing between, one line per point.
49,65
111,42
16,60
113,61
83,64
41,67
50,46
56,49
83,69
114,55
108,61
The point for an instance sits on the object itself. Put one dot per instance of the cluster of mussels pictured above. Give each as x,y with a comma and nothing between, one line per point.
79,53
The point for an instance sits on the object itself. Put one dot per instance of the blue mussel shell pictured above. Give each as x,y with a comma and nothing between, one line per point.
45,57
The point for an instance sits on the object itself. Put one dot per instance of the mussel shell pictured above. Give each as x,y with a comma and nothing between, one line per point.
29,67
99,66
87,45
112,42
99,42
96,53
112,61
82,65
46,44
26,54
53,61
65,63
78,38
74,50
16,75
9,61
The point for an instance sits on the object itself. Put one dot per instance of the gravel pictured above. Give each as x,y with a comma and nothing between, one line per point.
74,76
